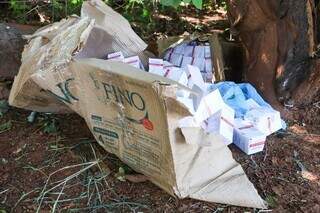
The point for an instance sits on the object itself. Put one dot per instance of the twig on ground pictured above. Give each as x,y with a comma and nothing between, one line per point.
4,191
62,182
266,152
254,162
23,197
56,202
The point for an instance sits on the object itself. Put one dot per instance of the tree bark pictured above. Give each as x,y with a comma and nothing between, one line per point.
280,38
11,46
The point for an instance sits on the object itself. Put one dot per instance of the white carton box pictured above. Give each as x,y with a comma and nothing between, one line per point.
189,50
133,61
264,119
179,49
156,66
248,138
172,72
199,62
186,60
199,52
222,123
176,59
212,115
116,56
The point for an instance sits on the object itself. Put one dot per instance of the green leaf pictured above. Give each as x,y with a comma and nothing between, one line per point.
173,3
5,126
145,13
271,200
4,107
197,3
50,127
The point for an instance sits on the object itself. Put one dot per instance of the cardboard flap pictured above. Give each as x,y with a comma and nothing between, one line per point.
111,29
232,187
214,176
44,73
207,172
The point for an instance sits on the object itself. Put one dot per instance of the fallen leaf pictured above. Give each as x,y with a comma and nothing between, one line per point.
298,129
309,176
278,190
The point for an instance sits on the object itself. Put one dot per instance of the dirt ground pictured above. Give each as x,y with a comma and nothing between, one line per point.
55,164
286,174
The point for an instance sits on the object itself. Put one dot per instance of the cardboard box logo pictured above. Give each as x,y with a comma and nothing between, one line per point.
133,99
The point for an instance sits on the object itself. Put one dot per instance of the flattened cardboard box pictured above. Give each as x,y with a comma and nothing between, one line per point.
135,115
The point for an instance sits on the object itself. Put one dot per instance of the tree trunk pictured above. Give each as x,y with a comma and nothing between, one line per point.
11,46
280,38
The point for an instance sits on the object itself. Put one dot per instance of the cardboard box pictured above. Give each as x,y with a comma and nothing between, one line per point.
248,138
133,114
212,115
266,120
171,49
92,35
222,123
136,115
116,56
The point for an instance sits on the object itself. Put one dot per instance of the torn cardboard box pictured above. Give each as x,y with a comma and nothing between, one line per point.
51,48
132,114
136,115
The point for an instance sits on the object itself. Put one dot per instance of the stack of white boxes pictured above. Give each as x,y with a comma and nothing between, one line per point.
133,60
209,111
193,53
250,132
